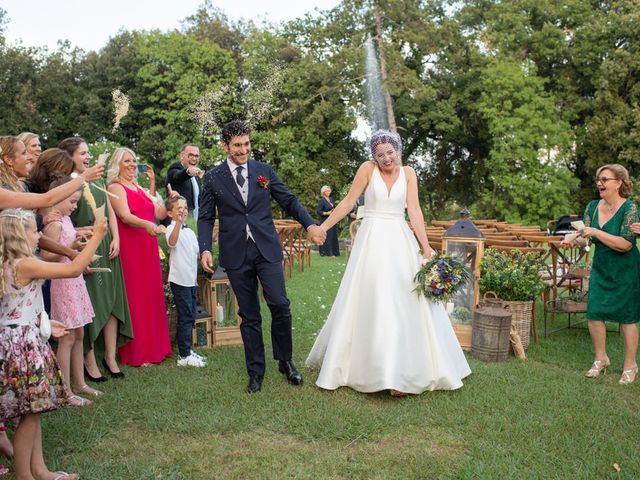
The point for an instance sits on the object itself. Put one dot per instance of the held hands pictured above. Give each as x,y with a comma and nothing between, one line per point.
206,260
635,228
316,234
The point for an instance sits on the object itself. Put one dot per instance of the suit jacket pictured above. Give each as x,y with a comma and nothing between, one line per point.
180,181
220,193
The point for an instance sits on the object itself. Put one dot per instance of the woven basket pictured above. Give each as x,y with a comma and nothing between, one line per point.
522,313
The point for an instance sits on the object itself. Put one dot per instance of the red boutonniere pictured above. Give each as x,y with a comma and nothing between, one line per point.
263,182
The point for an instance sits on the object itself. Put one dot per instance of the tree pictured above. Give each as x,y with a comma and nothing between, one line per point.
527,177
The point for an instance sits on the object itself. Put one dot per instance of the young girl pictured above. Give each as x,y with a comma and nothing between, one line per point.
70,303
30,380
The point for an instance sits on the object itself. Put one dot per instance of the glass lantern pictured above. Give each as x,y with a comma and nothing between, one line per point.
223,306
465,242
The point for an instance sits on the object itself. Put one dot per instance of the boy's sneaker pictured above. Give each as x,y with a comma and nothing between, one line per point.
190,361
199,357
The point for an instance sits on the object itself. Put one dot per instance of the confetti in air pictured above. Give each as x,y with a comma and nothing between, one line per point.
120,107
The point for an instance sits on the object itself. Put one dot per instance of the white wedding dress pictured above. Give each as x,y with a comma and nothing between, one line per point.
380,334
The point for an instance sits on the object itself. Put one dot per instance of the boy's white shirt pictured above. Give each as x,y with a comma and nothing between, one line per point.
183,258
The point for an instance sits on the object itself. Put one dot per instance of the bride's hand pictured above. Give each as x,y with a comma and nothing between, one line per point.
429,253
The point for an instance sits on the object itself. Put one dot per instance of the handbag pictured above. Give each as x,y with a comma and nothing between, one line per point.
45,326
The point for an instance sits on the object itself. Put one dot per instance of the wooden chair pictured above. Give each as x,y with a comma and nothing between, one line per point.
285,232
443,223
492,242
436,245
353,229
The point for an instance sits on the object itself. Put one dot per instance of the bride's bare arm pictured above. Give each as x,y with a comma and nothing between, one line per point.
360,182
415,212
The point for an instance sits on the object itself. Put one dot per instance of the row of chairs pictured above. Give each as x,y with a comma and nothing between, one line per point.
559,261
295,246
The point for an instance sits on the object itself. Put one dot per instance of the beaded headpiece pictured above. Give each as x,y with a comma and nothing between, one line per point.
384,136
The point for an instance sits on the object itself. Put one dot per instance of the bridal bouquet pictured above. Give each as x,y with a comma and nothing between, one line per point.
440,278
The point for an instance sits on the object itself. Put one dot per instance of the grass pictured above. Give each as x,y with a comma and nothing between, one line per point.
537,419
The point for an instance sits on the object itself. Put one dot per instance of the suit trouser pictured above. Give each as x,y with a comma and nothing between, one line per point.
244,281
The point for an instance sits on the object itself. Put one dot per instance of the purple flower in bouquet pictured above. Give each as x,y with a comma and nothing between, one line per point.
441,278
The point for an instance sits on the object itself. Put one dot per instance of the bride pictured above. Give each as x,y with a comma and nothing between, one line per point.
380,335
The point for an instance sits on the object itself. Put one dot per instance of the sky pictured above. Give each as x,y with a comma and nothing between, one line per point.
88,24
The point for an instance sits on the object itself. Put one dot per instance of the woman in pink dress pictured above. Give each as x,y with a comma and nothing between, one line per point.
136,213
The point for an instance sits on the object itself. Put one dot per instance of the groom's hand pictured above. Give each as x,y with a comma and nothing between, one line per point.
316,235
206,260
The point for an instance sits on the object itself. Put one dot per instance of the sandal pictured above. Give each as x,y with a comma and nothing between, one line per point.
87,390
598,367
626,378
66,476
76,401
397,393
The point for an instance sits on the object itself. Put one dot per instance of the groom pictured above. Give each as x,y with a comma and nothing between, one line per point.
241,190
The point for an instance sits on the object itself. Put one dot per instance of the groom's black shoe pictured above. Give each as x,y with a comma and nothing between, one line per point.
255,384
289,369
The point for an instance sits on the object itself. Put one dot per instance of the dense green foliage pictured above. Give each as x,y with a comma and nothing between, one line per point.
507,107
513,276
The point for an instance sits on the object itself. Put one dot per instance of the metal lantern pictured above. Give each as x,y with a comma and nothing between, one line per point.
222,304
465,242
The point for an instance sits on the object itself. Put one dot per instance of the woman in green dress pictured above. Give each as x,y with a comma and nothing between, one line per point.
111,326
614,284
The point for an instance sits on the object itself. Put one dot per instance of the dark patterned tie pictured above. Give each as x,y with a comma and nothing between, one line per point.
239,178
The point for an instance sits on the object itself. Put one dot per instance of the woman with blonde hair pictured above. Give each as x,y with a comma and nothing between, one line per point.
324,209
136,213
14,163
614,283
32,142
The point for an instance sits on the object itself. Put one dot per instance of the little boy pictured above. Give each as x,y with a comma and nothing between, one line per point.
183,273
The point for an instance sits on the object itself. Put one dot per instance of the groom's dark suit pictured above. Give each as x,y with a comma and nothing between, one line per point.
245,260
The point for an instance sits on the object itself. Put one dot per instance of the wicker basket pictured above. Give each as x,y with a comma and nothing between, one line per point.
522,313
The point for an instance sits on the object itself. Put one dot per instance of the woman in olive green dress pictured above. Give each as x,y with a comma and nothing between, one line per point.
111,326
614,284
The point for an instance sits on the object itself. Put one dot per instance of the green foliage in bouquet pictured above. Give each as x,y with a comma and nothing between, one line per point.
513,276
440,278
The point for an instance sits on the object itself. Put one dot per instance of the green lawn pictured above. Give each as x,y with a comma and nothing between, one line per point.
537,419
